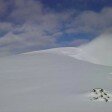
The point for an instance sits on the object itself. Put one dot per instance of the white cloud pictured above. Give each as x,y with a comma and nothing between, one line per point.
92,22
32,37
27,11
40,27
78,42
2,7
6,26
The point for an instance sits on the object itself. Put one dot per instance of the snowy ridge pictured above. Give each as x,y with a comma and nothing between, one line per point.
77,53
51,82
68,51
99,51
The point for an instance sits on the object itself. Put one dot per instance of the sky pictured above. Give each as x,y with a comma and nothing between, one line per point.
28,25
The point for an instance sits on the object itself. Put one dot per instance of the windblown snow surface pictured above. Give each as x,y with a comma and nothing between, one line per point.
53,81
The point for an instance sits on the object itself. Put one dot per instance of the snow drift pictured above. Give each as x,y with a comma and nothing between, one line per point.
48,82
100,49
58,80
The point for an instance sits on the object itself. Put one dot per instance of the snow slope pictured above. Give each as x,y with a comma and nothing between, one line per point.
51,82
98,51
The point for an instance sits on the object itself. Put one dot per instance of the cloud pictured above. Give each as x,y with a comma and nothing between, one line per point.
5,8
37,28
92,22
32,26
6,26
26,38
2,7
78,42
26,11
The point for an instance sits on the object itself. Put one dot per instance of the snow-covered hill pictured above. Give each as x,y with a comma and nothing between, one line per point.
47,81
98,51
